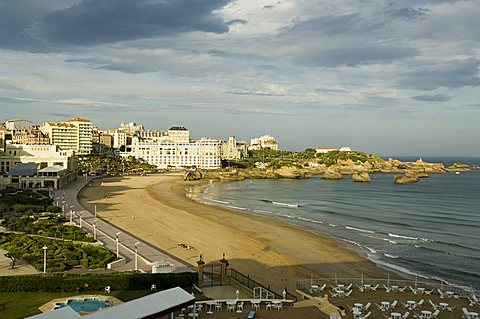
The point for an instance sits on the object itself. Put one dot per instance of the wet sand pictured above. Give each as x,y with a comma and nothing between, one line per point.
157,210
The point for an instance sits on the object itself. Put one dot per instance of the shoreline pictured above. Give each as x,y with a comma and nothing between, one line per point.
276,253
195,192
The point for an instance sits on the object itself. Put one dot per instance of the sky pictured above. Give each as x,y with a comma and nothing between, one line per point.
385,77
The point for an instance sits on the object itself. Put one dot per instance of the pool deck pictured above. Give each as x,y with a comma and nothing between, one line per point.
51,304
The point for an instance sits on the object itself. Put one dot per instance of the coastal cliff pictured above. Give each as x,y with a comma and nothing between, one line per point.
332,166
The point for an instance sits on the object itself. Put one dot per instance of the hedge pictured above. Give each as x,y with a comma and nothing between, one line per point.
95,282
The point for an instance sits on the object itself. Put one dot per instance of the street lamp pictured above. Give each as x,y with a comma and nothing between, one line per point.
95,211
80,217
95,229
44,259
136,255
71,216
116,239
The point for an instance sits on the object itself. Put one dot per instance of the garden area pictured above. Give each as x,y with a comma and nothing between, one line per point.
31,222
61,255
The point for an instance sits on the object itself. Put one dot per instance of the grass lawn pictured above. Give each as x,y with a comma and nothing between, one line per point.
15,305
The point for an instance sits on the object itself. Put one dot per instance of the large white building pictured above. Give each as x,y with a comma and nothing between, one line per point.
265,141
75,134
177,151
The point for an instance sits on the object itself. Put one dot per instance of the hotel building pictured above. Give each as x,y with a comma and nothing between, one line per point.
177,151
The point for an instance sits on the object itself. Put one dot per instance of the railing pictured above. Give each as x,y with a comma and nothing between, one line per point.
251,284
305,284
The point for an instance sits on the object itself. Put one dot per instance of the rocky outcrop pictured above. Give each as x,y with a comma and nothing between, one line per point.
459,167
416,174
363,177
398,179
194,175
291,172
332,173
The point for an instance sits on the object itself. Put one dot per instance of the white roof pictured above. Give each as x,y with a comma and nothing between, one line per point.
158,304
52,169
62,313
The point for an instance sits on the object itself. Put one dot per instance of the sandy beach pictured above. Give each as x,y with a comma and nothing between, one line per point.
157,210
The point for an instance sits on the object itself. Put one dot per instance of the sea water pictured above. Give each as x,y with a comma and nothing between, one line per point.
431,228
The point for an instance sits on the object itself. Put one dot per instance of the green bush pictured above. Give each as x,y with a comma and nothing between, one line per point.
95,282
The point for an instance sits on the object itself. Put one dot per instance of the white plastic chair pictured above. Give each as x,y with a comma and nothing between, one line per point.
107,289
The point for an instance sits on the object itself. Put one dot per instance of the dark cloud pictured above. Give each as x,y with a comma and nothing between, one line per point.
94,22
15,19
453,74
432,98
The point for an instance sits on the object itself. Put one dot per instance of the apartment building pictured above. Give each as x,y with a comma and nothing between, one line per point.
75,134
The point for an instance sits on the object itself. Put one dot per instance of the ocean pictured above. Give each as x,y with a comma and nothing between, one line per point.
430,229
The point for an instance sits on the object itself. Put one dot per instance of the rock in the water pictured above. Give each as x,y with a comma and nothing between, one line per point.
405,179
416,174
332,173
361,177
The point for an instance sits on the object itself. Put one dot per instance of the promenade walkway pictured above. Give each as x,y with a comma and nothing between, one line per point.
106,233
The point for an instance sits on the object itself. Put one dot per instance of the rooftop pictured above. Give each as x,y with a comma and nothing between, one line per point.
178,128
24,169
78,119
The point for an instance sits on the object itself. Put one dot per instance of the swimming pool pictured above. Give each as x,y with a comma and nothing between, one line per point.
84,304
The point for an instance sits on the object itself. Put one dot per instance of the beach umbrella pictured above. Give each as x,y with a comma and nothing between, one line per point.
237,293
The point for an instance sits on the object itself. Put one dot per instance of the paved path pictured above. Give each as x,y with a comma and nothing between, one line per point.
106,233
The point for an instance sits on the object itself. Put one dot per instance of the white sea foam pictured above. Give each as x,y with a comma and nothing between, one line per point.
333,225
360,230
285,204
371,250
218,201
380,238
401,236
236,207
390,256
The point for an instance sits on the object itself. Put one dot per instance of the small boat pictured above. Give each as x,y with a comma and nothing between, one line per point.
457,173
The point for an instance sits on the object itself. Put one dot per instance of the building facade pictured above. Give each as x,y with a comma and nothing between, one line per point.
75,135
265,141
233,149
204,153
53,166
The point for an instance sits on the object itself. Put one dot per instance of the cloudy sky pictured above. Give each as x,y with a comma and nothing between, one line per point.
387,77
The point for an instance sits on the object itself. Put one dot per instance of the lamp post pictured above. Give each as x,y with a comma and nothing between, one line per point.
44,259
237,293
80,217
95,229
71,216
116,239
95,211
136,254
